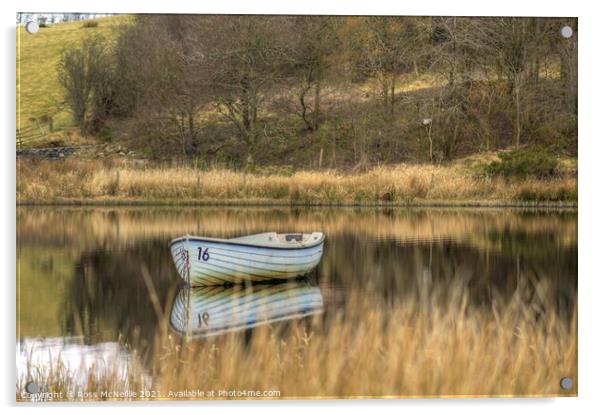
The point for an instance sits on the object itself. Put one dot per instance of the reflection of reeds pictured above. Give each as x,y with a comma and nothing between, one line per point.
85,227
404,184
434,344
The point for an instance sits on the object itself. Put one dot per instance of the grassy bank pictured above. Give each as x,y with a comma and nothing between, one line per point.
42,115
436,344
84,181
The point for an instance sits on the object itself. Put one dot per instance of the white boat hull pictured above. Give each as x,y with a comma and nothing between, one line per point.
208,261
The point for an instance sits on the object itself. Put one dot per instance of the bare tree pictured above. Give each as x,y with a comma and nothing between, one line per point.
383,48
159,85
82,71
513,45
315,42
567,50
245,57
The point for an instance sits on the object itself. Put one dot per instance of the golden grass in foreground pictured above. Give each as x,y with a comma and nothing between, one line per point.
91,181
436,344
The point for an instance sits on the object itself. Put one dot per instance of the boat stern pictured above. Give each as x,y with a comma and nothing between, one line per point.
181,257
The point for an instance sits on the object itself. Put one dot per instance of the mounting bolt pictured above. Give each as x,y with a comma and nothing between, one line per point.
566,383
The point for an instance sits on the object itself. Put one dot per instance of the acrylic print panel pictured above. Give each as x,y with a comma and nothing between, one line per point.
295,207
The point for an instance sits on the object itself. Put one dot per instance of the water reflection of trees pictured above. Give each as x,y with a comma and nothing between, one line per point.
108,299
88,228
535,267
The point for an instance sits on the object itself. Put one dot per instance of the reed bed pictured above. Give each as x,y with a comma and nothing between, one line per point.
436,344
92,181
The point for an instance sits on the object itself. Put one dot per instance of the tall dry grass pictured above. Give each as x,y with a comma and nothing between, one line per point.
85,181
436,344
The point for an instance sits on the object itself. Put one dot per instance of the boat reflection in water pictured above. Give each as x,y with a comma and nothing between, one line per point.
214,310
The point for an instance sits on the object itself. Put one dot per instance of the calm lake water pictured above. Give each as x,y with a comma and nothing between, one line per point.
82,291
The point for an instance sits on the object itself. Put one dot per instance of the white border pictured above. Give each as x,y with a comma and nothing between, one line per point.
348,7
590,153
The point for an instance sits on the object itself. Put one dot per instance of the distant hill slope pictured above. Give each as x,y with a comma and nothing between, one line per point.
39,96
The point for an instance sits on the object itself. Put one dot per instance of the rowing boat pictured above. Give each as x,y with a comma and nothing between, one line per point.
213,310
260,257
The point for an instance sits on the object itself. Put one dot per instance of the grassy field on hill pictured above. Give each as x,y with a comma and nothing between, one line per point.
39,95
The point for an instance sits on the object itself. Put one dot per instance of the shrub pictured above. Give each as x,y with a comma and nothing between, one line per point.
522,163
90,23
84,75
538,192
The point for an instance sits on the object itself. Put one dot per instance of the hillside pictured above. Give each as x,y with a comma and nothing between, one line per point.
300,93
298,109
39,97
